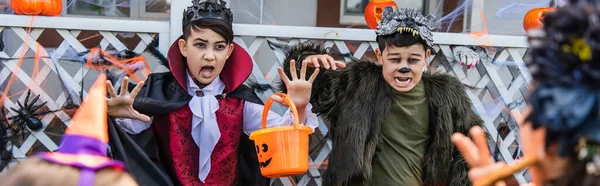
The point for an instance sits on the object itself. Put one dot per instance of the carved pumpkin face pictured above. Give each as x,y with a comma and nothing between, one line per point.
533,18
37,7
265,155
374,10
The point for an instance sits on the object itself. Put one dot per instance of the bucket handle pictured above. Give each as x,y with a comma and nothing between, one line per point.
288,100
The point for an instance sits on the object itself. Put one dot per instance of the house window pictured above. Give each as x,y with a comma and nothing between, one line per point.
352,11
134,9
155,8
4,6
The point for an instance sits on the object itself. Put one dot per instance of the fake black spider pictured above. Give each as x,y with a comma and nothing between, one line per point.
27,116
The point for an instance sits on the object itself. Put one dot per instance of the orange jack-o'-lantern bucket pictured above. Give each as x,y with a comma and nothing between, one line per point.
282,151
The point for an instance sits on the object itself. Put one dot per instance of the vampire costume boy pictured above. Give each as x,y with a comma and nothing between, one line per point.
197,136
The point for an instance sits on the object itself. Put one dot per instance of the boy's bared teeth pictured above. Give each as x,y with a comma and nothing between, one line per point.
401,80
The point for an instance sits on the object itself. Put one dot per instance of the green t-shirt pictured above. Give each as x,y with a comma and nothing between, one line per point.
404,134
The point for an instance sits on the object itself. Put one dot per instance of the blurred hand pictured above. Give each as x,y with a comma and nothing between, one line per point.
121,105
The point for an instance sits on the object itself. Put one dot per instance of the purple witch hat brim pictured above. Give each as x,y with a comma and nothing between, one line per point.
82,152
85,153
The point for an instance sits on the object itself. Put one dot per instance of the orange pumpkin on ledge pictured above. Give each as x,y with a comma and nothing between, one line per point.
533,18
374,10
37,7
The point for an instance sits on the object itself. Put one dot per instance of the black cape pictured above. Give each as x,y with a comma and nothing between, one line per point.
162,94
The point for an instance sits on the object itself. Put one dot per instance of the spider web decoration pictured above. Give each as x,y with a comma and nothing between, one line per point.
57,74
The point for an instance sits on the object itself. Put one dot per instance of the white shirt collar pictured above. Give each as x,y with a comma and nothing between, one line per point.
216,87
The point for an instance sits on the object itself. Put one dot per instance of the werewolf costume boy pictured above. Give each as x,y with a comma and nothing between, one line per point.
382,135
201,112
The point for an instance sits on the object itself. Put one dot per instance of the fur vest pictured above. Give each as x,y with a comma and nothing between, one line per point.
353,102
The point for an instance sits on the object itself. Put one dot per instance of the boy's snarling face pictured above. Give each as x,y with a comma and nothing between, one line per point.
403,66
206,52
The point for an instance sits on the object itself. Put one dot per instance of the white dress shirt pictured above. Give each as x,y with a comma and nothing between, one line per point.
205,130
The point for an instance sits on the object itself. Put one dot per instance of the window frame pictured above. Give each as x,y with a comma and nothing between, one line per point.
143,14
137,10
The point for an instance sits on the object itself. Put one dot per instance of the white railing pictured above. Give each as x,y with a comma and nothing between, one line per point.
492,87
96,24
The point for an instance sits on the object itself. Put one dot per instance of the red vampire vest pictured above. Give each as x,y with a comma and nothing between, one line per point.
173,132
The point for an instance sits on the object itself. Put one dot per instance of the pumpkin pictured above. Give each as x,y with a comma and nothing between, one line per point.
374,10
37,7
54,8
533,18
14,4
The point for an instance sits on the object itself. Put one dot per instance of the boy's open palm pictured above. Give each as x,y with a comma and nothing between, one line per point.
121,105
299,89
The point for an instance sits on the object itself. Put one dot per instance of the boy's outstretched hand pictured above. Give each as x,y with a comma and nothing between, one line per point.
121,105
299,89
